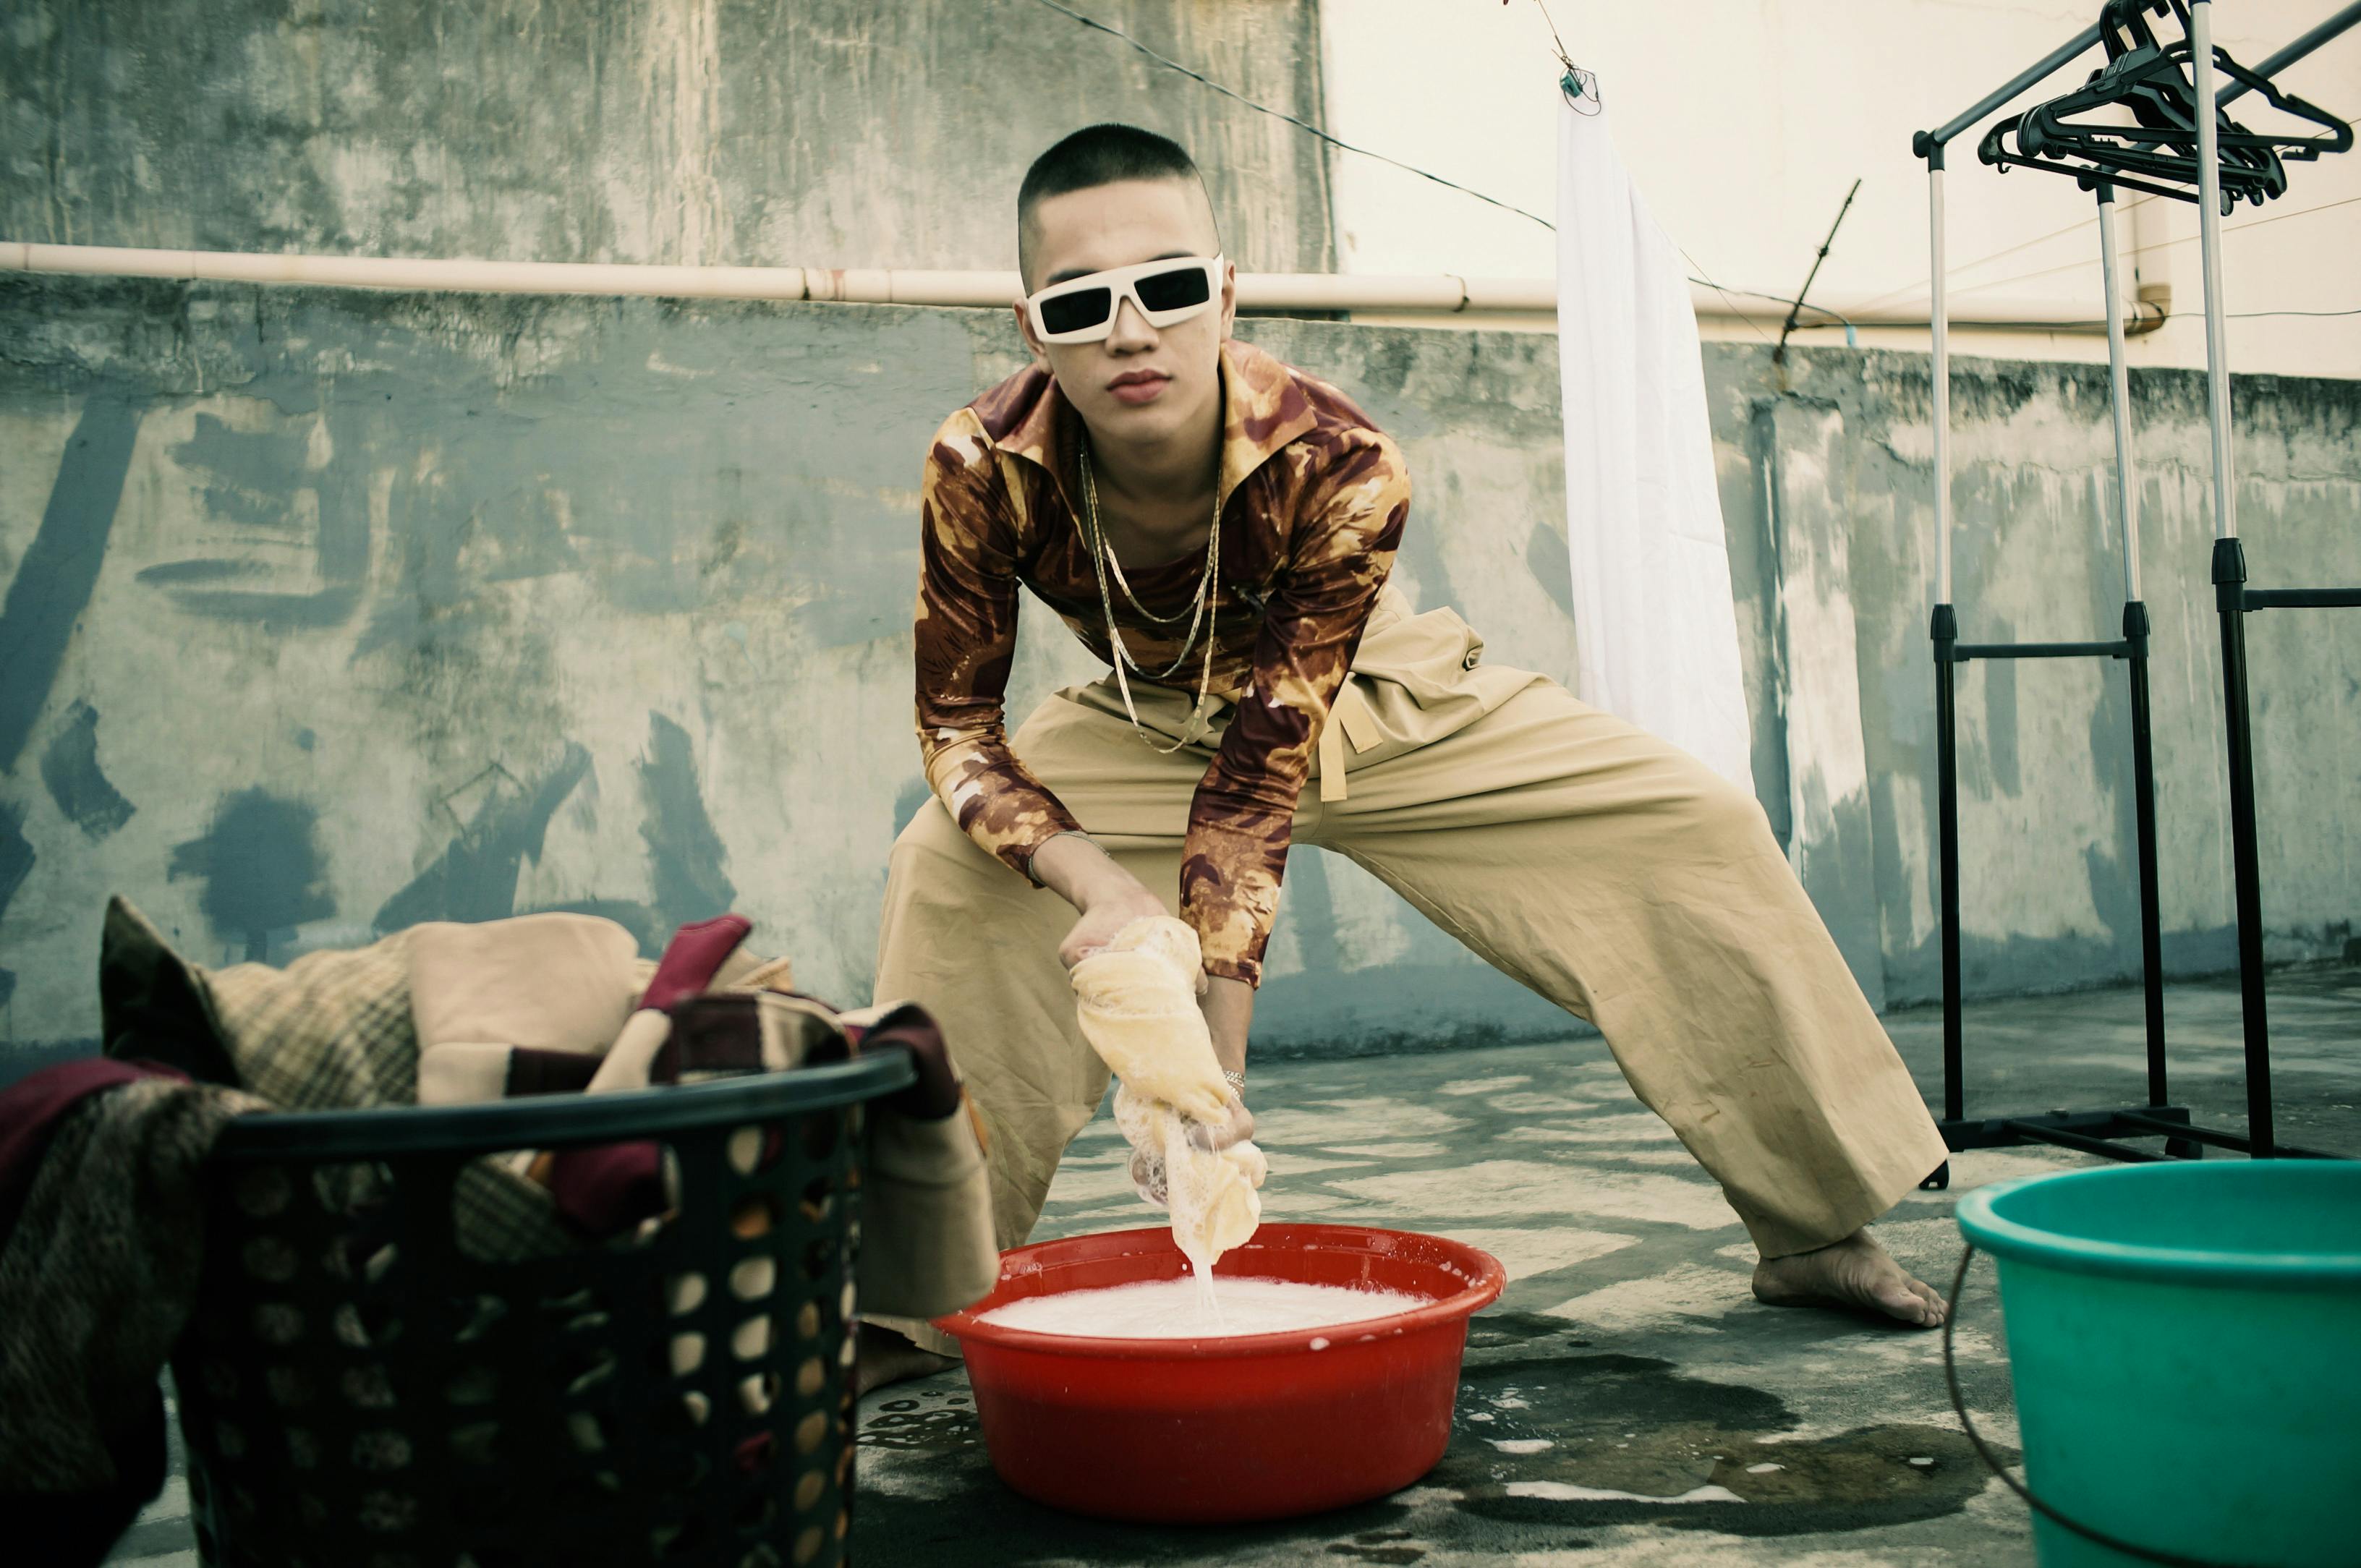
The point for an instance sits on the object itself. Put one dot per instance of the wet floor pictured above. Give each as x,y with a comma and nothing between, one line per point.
1556,1444
1627,1399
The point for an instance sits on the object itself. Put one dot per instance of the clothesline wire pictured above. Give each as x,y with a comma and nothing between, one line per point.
1302,125
1311,129
1698,277
2162,245
1954,271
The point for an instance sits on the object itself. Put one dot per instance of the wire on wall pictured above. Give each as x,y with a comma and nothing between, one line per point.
1577,83
2163,245
1302,125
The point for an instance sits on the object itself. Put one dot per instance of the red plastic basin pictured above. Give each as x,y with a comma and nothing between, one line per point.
1222,1430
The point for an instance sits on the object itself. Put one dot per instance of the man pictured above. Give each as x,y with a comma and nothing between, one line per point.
1218,527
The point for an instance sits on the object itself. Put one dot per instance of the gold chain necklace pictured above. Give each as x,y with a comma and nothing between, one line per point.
1091,499
1203,604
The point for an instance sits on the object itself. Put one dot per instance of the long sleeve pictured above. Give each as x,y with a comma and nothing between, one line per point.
966,633
1351,514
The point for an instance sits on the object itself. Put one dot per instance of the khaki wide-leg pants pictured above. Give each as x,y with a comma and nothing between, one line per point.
1605,868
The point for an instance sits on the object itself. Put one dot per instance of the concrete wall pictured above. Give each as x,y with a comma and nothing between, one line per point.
330,611
1840,461
816,133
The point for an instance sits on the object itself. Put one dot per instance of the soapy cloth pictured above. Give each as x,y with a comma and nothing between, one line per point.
1137,1000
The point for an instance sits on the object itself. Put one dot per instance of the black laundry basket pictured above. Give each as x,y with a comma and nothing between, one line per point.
358,1389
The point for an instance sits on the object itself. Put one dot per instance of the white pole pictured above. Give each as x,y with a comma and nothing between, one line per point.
1940,317
2119,393
2208,230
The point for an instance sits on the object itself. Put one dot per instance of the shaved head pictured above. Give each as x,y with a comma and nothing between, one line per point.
1101,155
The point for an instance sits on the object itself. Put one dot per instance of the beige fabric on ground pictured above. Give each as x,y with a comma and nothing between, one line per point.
1590,861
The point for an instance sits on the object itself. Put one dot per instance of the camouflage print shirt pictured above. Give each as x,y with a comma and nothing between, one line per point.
1311,500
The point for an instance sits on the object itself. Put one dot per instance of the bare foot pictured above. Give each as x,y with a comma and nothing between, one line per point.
1855,1272
886,1357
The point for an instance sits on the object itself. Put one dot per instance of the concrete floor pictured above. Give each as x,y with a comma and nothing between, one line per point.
1626,1355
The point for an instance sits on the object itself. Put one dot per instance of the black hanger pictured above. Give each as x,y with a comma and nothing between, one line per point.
2158,153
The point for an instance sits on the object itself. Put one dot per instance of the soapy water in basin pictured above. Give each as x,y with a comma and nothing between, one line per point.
1174,1309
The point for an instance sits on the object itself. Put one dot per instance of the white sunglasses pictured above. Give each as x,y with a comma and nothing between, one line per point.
1082,309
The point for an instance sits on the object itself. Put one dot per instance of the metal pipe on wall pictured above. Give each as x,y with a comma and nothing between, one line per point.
1441,295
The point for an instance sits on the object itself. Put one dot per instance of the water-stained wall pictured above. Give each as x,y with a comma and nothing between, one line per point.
327,611
808,133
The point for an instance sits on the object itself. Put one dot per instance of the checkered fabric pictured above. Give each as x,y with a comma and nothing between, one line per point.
332,1031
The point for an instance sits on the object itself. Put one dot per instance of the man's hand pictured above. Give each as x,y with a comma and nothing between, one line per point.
1101,920
1239,1129
1108,897
1149,1174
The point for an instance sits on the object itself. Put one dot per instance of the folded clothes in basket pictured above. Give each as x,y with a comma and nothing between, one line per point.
550,1002
99,1159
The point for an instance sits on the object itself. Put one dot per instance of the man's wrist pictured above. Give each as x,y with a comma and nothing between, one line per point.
1229,1013
1077,867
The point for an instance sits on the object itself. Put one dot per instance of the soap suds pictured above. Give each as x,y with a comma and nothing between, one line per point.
1172,1309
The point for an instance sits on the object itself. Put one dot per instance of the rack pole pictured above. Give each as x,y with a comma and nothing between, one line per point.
2344,21
2135,634
2230,594
2209,228
1940,317
1945,632
2119,393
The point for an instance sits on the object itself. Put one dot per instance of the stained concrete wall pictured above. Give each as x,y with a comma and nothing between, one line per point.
330,611
816,133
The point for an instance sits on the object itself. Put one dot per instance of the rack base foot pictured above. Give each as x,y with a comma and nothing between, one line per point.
2096,1132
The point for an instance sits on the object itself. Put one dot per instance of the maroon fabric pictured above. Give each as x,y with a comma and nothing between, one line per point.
710,1035
532,1072
601,1191
31,1109
912,1029
692,959
75,1529
605,1190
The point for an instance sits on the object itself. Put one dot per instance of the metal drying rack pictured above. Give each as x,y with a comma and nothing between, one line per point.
2100,1132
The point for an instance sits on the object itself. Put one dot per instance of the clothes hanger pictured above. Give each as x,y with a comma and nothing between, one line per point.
2158,152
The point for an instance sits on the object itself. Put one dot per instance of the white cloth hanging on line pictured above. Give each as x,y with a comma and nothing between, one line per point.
1655,627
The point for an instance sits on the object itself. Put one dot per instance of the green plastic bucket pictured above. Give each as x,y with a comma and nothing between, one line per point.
2185,1341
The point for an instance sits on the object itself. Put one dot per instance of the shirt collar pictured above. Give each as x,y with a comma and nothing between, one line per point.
1263,409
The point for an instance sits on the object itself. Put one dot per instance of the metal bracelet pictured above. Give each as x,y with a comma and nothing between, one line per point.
1236,1080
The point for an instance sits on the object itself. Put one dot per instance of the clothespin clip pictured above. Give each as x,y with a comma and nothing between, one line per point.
1577,84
